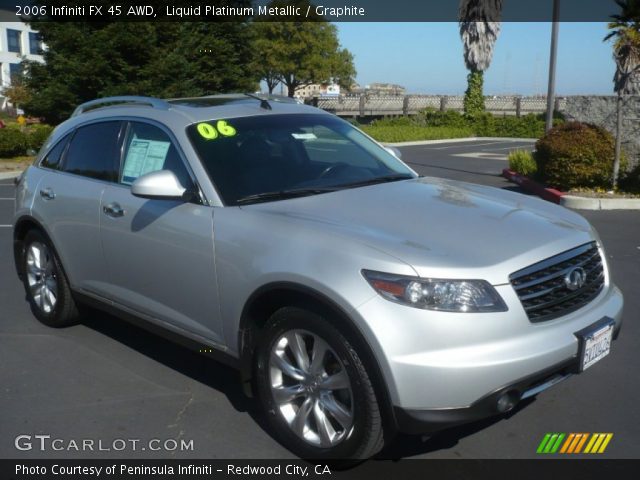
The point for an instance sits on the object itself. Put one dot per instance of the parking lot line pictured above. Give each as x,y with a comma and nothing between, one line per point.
5,226
8,198
457,145
509,148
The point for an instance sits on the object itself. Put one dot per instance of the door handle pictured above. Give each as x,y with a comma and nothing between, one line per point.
113,210
47,194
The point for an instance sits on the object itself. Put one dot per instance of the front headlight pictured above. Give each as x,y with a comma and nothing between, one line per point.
437,294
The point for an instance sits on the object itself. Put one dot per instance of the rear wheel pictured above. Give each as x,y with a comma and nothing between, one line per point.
316,393
45,284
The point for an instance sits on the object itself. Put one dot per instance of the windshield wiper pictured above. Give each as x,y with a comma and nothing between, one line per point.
283,194
372,181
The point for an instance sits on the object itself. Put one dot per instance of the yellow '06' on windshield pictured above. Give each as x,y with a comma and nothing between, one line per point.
209,132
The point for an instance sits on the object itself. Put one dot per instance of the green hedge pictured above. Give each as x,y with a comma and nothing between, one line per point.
409,133
433,124
16,141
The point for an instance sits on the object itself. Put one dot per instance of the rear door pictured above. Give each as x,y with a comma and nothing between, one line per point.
67,202
160,252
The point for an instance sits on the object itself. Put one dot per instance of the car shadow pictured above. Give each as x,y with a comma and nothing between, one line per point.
183,360
226,380
188,362
406,446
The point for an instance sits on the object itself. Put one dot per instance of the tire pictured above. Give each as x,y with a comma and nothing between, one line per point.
46,286
334,394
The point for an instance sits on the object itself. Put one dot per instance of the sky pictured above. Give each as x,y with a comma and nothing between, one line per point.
427,57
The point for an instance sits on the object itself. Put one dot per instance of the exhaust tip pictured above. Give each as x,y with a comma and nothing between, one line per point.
507,401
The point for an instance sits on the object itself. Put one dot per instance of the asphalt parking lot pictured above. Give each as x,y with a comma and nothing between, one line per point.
106,380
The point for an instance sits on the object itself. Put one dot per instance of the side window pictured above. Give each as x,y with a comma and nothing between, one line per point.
149,149
52,159
93,151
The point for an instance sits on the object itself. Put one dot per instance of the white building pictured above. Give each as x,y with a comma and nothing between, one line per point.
18,42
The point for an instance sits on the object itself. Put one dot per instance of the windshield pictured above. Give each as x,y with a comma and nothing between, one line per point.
270,157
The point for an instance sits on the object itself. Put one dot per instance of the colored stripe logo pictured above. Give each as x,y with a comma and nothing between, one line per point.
573,443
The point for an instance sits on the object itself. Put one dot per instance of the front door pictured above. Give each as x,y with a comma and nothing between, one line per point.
160,253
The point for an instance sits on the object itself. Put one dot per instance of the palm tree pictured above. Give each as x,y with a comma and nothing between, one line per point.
479,29
625,30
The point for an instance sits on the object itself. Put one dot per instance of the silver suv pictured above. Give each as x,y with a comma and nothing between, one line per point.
356,298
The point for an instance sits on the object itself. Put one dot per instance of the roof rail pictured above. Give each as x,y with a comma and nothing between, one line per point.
152,102
275,98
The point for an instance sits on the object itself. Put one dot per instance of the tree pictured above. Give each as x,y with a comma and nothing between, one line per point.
625,31
301,53
17,92
479,29
86,60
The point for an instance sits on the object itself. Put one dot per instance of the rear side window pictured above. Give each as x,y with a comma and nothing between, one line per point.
93,151
52,159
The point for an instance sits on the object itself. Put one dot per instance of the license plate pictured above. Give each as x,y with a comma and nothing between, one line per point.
595,343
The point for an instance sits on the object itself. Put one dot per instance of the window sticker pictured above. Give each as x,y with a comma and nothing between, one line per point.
304,136
209,132
144,156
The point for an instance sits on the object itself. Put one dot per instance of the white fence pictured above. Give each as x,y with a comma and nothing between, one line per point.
374,106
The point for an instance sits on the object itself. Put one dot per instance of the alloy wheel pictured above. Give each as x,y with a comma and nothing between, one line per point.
311,388
41,277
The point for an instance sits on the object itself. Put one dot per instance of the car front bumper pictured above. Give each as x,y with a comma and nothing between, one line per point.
444,369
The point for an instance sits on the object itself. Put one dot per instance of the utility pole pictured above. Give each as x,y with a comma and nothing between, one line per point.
551,94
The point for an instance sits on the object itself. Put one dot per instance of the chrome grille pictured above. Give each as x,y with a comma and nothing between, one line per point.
542,289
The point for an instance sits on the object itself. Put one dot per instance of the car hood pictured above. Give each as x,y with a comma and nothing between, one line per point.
443,228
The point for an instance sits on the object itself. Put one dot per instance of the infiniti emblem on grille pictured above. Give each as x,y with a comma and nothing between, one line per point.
575,279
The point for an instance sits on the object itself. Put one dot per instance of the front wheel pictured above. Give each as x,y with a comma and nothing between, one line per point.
315,390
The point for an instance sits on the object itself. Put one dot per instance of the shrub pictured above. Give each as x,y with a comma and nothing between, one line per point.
483,124
630,181
12,142
522,161
576,154
392,133
37,135
394,122
436,118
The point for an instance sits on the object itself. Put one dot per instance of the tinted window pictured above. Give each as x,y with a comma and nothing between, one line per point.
149,149
52,159
15,71
93,151
35,43
273,153
13,41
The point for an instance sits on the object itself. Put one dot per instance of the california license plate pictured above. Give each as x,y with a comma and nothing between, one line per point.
595,343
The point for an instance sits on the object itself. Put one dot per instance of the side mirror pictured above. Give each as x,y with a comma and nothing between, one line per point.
162,184
394,151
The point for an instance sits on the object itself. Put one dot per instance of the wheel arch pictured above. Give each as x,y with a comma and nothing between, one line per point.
269,298
21,227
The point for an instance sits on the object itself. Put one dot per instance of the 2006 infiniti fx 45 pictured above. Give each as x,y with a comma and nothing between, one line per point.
356,298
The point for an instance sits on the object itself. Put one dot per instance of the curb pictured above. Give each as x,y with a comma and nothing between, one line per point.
457,140
571,201
586,203
6,175
549,194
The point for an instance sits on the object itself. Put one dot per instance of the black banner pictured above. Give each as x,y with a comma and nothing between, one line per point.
301,10
538,469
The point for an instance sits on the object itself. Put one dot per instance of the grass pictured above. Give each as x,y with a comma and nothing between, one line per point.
410,133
